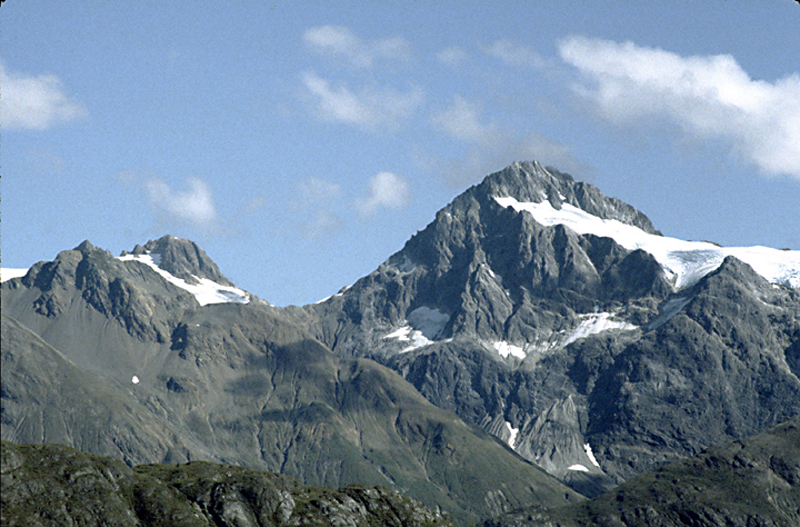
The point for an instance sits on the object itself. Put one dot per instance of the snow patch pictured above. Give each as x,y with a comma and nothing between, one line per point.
588,449
430,322
424,325
512,440
687,262
409,334
8,274
206,291
505,349
578,467
340,293
594,323
135,379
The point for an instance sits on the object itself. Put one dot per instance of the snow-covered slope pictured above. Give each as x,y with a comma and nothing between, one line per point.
8,274
685,262
205,291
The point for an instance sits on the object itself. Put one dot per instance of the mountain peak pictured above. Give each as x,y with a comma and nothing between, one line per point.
530,181
181,258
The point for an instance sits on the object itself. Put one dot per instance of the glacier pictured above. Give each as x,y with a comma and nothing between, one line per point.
684,262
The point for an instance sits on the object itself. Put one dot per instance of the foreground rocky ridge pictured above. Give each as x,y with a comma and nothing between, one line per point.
58,486
754,481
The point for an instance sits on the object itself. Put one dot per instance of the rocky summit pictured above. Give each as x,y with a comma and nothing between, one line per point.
537,343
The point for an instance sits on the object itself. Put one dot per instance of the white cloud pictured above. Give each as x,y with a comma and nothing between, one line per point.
368,108
452,56
514,54
195,205
707,96
462,121
340,41
386,190
35,102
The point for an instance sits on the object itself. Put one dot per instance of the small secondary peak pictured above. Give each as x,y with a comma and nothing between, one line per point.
181,258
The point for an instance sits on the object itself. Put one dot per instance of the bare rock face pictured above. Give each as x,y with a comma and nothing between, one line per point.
501,319
181,258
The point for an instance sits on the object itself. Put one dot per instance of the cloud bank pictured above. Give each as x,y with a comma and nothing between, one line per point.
462,121
452,56
314,201
707,96
35,102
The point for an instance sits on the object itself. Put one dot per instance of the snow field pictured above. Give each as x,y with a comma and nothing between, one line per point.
684,261
7,274
206,292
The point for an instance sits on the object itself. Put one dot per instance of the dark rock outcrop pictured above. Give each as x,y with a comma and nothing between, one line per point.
58,486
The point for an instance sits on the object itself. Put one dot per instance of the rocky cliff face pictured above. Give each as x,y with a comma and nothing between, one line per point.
563,344
182,259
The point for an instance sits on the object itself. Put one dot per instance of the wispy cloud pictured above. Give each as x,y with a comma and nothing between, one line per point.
462,121
339,41
315,191
452,56
368,108
195,205
514,54
386,190
315,200
35,102
707,96
491,146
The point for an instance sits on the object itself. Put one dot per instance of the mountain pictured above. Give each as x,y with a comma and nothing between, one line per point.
565,324
755,481
57,485
536,342
117,356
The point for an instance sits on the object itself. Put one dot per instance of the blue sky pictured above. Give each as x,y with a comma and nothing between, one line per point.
301,145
